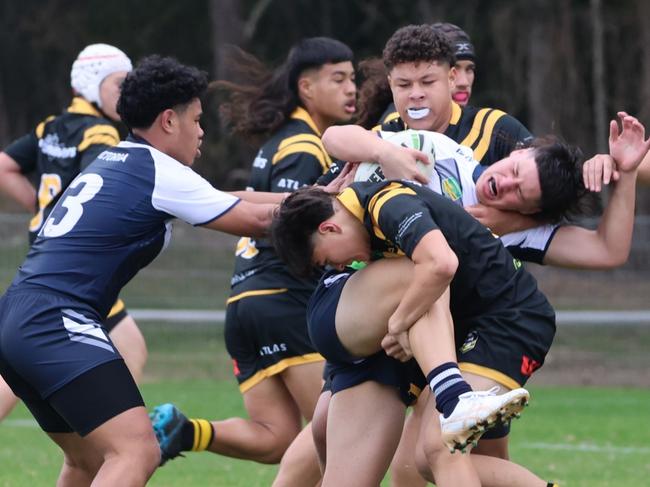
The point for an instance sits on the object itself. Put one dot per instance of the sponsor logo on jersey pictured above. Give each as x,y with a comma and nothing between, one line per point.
260,162
288,183
113,156
470,342
451,188
272,349
528,365
50,146
405,224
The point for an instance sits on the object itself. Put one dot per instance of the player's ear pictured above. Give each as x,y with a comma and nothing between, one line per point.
168,120
305,87
329,226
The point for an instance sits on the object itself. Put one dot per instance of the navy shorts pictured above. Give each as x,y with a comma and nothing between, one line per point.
47,342
266,333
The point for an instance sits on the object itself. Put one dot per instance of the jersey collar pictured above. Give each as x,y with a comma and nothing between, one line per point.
349,199
301,114
81,106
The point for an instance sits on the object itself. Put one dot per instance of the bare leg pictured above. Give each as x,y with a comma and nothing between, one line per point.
128,339
362,437
8,399
299,466
123,451
275,417
403,470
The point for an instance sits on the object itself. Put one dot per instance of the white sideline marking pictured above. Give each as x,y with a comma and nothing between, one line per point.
577,318
19,423
585,447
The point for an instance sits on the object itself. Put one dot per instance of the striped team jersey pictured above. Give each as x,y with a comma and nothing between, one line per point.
397,214
491,134
113,220
58,149
292,158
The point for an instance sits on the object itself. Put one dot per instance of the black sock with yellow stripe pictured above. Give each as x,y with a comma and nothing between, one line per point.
196,435
551,484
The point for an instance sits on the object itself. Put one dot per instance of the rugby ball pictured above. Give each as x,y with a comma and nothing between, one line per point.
421,140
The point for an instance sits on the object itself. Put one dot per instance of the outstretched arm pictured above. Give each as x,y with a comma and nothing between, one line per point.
609,245
356,144
15,185
245,219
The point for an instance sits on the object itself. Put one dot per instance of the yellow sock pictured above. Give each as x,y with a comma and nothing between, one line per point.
203,433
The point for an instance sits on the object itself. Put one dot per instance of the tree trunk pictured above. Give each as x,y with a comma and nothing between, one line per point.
598,77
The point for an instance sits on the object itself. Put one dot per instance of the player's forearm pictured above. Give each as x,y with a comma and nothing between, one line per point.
617,223
352,143
644,170
19,189
429,283
260,196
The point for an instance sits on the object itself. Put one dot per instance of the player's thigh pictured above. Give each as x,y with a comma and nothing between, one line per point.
130,342
304,383
270,402
363,429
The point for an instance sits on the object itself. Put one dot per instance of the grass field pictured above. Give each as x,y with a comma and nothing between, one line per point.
578,436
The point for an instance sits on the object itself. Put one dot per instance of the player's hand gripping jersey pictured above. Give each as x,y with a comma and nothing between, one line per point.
114,219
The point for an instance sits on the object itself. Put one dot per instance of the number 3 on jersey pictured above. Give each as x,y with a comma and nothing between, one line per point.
92,183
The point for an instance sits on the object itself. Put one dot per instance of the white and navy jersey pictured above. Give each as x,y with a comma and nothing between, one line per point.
113,220
454,176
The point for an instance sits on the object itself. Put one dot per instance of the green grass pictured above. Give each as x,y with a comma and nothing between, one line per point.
580,437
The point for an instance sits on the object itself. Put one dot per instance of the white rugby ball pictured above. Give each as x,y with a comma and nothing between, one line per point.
421,140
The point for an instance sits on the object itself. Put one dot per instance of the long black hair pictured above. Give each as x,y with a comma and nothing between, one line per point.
265,99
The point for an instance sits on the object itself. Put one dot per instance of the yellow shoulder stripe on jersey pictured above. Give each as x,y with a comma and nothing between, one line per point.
456,112
303,147
486,136
258,292
382,197
279,367
376,128
99,134
117,307
350,200
475,131
40,128
82,106
390,117
301,114
495,375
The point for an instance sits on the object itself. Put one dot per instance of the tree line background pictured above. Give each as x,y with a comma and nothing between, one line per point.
560,66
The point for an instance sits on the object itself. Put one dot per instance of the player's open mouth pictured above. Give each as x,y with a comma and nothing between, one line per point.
417,113
460,96
492,186
350,106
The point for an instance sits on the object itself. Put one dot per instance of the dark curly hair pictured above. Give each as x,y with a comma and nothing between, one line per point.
264,100
416,43
374,93
156,84
294,224
564,195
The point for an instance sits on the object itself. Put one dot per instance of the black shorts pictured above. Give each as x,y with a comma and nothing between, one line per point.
267,333
117,313
507,346
88,401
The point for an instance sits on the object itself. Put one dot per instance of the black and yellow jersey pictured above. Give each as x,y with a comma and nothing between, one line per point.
397,214
60,148
292,158
491,134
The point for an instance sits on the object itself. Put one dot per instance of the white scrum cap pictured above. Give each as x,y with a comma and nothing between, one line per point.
92,65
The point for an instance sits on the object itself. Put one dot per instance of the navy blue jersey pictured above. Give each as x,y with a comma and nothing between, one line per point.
113,220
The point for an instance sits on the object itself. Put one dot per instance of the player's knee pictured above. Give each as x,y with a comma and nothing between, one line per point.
428,455
422,465
86,464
